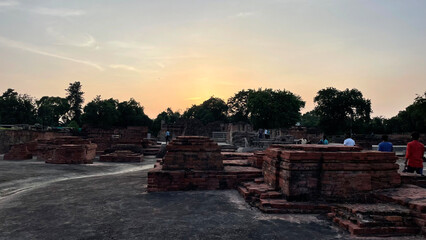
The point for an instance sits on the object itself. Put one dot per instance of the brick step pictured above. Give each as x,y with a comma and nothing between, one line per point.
239,162
284,206
382,231
258,188
259,180
244,192
271,195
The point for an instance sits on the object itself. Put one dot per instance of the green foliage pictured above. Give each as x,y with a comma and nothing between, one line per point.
108,113
101,113
131,114
237,106
211,110
309,119
413,118
75,100
341,111
16,108
51,111
167,116
273,108
74,125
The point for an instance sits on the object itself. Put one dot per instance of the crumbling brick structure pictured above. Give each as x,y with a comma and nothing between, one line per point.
195,163
67,149
18,152
331,172
121,156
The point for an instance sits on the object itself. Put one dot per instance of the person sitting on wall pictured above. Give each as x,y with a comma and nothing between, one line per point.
324,140
385,145
414,155
348,141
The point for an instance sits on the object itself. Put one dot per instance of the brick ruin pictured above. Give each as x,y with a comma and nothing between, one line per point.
66,150
359,190
305,172
122,144
195,163
18,152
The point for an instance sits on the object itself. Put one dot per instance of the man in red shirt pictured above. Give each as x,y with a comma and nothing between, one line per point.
414,155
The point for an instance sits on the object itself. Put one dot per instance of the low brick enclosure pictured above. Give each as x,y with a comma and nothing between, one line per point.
195,163
194,153
333,173
66,150
121,156
18,152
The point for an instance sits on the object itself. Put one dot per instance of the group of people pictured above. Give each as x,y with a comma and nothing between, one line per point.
413,154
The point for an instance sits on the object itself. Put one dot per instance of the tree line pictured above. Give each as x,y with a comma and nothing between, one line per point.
335,111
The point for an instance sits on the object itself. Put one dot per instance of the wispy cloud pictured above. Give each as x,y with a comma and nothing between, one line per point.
177,57
160,65
243,14
129,45
8,3
31,49
58,12
85,40
124,67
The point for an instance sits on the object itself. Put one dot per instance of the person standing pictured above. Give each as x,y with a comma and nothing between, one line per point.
349,141
414,155
385,145
167,136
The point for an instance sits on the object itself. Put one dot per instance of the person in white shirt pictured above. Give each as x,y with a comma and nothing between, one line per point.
349,141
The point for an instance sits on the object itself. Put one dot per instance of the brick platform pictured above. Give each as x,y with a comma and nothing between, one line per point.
236,155
335,173
66,150
414,179
195,163
257,159
193,152
374,219
18,152
411,196
121,156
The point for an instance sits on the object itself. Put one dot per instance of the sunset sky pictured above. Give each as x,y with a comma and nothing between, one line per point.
178,53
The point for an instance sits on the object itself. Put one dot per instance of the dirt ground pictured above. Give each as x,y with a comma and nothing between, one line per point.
109,201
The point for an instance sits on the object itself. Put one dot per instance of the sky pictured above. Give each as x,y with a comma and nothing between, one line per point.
178,53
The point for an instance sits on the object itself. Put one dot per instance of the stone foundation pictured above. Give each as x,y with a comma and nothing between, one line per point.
121,156
18,152
195,163
66,150
193,152
336,173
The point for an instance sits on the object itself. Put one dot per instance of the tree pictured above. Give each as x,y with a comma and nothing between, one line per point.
16,108
341,111
309,119
237,106
168,116
51,111
211,110
75,100
101,113
273,108
131,114
413,118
